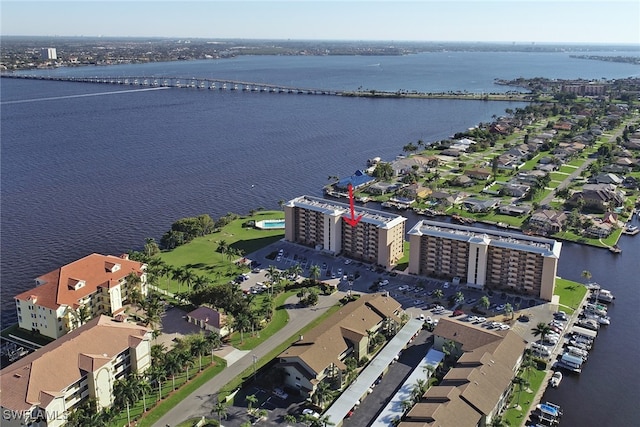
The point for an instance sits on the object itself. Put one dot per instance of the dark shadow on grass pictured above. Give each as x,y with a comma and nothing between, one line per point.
252,245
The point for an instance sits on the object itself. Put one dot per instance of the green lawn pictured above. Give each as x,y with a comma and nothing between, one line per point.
514,416
571,294
201,256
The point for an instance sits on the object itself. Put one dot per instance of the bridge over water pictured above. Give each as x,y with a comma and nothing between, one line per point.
238,85
184,83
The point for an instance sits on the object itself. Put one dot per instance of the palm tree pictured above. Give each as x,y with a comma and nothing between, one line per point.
134,285
241,323
126,391
429,369
508,309
296,270
419,388
289,419
176,274
172,365
459,297
215,342
498,422
521,383
323,390
438,294
542,330
251,400
406,404
199,346
273,274
222,247
587,275
314,271
220,408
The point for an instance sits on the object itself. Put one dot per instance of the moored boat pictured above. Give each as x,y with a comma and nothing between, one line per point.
555,379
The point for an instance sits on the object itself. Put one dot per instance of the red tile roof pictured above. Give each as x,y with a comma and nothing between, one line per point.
57,286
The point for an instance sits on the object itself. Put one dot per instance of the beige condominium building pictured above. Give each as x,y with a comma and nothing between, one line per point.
483,258
69,296
377,238
44,387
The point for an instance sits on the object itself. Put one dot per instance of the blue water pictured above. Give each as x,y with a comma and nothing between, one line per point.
272,224
98,168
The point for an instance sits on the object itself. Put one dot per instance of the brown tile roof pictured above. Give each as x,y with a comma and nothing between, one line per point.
207,315
56,286
323,345
61,363
474,386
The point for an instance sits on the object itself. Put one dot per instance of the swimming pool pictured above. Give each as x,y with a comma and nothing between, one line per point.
270,224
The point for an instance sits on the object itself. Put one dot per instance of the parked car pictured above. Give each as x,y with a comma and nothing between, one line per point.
445,285
280,393
310,412
458,313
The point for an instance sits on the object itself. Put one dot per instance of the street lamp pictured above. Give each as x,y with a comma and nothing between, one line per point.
255,359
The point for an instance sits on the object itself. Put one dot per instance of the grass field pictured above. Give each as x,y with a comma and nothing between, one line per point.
571,294
201,255
520,401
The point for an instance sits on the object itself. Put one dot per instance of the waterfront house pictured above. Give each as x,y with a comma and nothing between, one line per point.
69,296
359,179
548,221
82,365
322,351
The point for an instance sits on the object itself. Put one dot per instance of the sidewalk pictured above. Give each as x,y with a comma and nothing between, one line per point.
201,401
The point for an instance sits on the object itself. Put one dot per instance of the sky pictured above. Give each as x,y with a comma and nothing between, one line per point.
509,21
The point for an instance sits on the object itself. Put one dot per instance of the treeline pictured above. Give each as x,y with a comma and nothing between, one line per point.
186,229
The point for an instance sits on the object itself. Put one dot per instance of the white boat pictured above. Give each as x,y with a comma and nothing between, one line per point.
555,379
605,295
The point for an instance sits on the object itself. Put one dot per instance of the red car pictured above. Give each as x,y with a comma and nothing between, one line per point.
458,313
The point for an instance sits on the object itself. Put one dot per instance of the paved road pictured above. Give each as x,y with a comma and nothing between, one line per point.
203,399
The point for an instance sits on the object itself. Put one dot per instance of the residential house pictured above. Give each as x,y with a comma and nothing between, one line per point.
463,181
477,388
382,187
599,197
600,229
322,351
61,376
514,210
480,205
359,179
69,296
515,190
210,320
478,174
442,198
608,178
547,221
415,191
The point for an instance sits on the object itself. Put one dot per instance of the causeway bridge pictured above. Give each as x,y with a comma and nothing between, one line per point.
201,83
183,83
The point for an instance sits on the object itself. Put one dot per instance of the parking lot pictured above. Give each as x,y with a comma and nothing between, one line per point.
413,292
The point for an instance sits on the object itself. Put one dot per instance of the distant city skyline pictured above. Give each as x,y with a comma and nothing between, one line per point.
507,21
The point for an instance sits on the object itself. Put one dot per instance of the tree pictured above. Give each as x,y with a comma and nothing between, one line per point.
289,419
459,297
520,383
438,294
383,171
215,342
220,409
222,247
251,400
314,271
173,366
508,309
322,393
151,248
419,388
199,346
485,302
541,330
127,392
134,285
241,323
587,275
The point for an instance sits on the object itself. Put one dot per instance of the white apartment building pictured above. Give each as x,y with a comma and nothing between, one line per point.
48,53
482,258
377,238
43,388
69,296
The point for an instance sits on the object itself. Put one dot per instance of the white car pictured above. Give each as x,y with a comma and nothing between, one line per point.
481,320
311,413
385,282
403,287
446,285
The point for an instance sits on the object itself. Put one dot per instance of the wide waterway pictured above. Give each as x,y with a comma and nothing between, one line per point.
97,168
